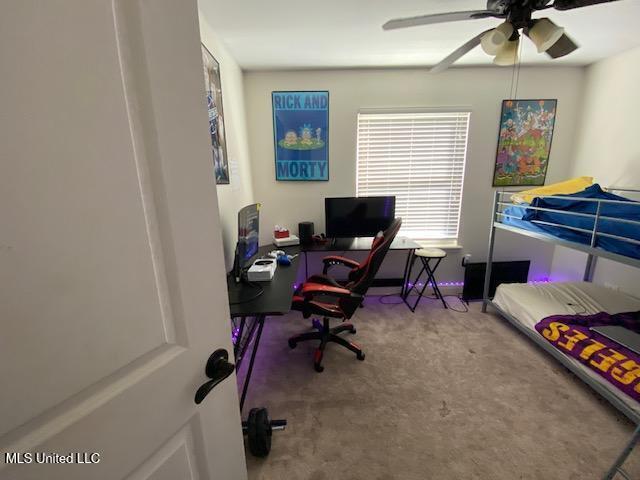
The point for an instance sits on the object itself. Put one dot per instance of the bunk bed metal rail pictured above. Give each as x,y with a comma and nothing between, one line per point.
593,252
591,249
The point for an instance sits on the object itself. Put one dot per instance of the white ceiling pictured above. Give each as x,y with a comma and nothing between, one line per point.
289,34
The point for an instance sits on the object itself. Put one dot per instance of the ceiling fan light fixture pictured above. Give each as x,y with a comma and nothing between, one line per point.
508,54
562,47
544,34
492,41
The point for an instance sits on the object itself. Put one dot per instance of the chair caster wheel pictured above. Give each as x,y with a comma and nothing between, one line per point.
319,368
360,356
292,344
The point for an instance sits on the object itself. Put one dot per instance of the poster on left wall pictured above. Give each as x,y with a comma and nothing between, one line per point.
213,89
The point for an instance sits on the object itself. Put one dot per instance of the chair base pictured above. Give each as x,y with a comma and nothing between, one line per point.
327,334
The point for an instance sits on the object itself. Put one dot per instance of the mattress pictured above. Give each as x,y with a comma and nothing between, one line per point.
528,304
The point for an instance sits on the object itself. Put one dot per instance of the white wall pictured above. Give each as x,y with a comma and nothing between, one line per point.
239,192
480,89
607,148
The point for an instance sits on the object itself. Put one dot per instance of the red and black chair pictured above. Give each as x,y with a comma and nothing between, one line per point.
324,296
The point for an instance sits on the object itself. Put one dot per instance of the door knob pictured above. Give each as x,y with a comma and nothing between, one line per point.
218,368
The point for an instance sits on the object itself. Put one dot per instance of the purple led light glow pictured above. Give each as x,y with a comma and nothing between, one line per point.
234,334
441,284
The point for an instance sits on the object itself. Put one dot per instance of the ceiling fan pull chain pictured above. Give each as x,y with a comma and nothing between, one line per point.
519,62
513,76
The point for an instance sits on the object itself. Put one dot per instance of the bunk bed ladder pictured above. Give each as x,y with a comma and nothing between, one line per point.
492,240
591,259
616,468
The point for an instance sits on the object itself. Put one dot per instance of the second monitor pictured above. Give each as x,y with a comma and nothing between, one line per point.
358,216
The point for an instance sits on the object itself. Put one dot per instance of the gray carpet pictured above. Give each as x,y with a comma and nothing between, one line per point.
441,395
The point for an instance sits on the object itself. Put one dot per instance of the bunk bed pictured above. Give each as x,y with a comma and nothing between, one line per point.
598,223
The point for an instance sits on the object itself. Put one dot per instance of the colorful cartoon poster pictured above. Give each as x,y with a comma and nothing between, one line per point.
524,143
213,90
301,135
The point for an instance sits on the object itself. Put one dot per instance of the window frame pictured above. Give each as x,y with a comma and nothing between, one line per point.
444,242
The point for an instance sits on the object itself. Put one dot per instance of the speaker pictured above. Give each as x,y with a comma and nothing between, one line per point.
305,232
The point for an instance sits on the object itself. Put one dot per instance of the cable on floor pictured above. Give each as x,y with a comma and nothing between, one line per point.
464,309
388,295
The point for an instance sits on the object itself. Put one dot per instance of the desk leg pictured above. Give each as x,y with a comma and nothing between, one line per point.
256,342
306,266
259,438
236,347
405,277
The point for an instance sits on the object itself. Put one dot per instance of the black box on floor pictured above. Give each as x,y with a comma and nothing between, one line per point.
501,272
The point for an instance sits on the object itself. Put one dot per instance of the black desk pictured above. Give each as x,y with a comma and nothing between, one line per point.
252,310
277,294
274,300
364,244
358,244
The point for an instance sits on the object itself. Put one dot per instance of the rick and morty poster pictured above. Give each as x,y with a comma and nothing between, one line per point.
301,135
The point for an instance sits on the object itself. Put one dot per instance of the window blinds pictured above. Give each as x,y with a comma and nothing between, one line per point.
419,158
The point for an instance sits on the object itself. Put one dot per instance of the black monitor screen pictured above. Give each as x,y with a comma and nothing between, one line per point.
358,216
248,233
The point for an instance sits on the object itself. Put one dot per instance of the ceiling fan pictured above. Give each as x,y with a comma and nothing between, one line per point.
503,41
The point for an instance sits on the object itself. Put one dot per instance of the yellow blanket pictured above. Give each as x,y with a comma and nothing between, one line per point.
568,186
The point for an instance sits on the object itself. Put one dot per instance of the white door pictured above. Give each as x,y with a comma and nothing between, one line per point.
112,285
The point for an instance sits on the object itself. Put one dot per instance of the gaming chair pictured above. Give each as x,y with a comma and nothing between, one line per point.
322,295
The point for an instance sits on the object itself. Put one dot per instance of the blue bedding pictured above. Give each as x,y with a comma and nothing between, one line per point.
628,212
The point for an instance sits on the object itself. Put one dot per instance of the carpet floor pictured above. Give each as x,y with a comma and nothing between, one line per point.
441,395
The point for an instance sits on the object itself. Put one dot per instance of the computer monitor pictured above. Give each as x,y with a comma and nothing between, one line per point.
248,235
358,216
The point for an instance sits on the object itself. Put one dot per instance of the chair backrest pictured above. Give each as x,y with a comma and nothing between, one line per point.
363,276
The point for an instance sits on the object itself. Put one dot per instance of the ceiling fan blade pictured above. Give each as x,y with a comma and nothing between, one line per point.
438,18
564,46
463,50
570,4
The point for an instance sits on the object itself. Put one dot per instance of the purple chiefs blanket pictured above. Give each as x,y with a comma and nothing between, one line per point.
571,335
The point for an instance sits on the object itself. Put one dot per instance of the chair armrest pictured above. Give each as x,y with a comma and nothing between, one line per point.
311,289
332,260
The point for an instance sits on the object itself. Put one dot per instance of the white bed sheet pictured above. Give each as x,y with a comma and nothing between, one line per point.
529,304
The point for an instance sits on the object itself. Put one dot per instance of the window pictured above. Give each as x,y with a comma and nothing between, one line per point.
419,157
